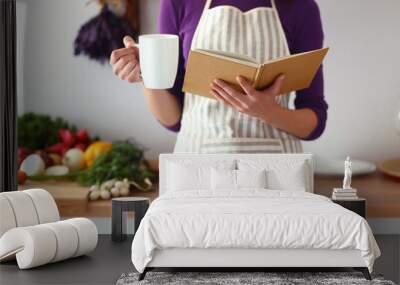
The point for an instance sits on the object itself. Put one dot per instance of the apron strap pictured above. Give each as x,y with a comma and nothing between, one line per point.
280,26
206,7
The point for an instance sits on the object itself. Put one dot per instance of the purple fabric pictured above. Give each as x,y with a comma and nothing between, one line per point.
301,22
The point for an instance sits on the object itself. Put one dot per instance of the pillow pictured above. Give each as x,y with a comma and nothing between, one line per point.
227,179
187,174
223,179
282,174
251,178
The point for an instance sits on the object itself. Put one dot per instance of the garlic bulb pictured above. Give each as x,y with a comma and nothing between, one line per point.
105,195
94,195
115,191
124,191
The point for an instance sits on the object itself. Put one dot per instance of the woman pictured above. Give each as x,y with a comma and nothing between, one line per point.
247,121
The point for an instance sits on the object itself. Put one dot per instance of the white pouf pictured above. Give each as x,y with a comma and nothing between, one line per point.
31,232
46,207
7,218
33,246
23,208
66,237
87,234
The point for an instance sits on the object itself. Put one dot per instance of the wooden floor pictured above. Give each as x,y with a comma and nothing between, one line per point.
110,259
382,194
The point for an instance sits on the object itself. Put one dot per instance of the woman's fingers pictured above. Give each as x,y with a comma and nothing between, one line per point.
231,91
122,62
129,42
272,90
276,86
126,70
220,98
118,53
229,99
134,75
125,61
246,86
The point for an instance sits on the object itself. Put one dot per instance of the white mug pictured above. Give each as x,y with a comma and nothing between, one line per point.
158,56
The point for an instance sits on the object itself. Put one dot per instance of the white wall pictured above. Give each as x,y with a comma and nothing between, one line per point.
362,79
361,72
78,89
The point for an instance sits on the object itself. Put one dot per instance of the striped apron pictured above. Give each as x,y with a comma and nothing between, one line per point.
209,126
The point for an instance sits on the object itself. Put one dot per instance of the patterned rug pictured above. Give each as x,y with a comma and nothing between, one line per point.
244,278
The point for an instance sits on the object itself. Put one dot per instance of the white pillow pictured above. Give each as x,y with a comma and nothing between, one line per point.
251,178
223,179
189,174
285,174
227,179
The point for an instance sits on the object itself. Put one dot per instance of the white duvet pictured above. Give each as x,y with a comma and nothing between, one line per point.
250,219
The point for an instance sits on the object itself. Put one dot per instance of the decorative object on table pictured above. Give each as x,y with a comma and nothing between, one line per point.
50,148
249,278
109,188
334,166
390,168
347,173
104,33
31,230
95,150
39,131
121,168
116,188
139,205
357,206
346,192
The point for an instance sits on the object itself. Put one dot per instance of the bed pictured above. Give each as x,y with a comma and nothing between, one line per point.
246,211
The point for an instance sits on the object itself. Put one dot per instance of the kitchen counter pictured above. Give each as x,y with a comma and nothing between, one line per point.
382,194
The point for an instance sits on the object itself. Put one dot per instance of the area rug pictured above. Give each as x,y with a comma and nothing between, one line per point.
244,278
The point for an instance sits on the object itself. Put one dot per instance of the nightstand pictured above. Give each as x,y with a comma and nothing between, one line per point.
139,205
358,206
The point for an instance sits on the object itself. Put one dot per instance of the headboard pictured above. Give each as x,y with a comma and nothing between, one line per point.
165,158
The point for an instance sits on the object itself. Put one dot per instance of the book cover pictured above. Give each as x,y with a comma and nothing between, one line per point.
204,66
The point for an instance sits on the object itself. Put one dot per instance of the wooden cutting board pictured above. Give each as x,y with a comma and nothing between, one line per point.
71,198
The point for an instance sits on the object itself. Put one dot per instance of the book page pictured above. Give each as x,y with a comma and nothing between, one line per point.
295,55
231,56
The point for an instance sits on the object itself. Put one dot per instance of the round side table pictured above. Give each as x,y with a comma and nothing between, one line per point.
138,205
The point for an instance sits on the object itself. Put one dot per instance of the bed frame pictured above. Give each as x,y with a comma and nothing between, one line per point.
242,259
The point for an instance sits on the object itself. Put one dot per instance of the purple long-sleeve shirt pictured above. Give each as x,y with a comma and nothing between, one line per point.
302,25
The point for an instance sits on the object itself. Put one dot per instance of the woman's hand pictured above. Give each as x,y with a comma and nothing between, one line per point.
164,105
125,61
260,104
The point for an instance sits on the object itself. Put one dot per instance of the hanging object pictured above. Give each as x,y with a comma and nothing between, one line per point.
105,32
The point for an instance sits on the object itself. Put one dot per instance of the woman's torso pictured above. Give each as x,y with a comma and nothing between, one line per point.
302,25
209,126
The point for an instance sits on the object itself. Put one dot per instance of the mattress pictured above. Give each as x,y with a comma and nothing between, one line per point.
250,219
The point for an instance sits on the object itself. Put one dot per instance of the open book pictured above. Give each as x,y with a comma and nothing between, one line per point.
206,65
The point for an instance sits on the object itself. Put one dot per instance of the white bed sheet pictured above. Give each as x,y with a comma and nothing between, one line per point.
251,218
